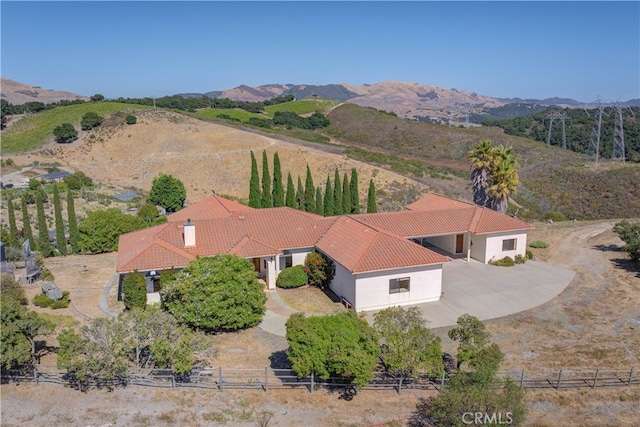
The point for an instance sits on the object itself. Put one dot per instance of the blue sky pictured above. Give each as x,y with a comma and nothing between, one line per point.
578,50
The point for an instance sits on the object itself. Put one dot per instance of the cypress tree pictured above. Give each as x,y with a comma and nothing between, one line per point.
26,226
74,234
61,239
372,205
309,193
278,190
254,185
355,194
337,194
319,204
44,246
291,193
300,195
266,201
328,198
14,235
346,195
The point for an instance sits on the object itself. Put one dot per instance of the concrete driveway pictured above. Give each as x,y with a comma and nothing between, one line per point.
487,291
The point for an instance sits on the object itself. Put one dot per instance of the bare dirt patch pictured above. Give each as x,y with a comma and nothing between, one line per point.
204,156
311,300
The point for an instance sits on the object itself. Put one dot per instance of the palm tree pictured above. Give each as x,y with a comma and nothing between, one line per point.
482,159
503,180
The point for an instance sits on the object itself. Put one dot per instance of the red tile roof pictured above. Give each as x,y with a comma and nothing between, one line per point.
211,207
366,242
359,248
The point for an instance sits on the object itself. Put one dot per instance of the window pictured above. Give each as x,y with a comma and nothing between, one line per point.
286,261
509,245
399,285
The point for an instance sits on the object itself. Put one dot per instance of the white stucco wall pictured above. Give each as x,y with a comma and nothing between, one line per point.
478,247
298,255
372,289
343,284
493,245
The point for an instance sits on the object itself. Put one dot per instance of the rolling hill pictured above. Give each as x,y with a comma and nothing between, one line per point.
19,93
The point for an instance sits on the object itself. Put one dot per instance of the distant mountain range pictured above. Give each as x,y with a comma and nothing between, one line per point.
408,100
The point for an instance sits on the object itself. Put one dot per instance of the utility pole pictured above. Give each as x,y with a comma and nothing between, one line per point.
618,135
594,140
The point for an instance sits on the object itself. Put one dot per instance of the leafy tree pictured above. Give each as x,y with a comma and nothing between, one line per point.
26,225
290,200
91,120
149,213
478,390
20,328
319,269
319,203
44,246
134,288
278,189
409,347
328,198
340,345
309,193
11,288
254,185
266,201
14,235
34,184
355,193
472,336
65,133
337,194
61,238
346,195
97,98
74,233
77,180
168,192
630,234
372,205
100,230
219,293
131,119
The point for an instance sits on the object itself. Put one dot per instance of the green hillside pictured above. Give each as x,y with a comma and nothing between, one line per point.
35,130
553,179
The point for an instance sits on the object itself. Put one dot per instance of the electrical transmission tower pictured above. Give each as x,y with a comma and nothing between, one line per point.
466,116
618,135
594,140
557,116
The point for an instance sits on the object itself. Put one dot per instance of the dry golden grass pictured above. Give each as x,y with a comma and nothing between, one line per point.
311,300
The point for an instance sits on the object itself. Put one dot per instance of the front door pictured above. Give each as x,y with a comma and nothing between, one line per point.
256,264
459,243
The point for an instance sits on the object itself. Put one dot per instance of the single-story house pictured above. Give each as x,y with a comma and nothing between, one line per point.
381,260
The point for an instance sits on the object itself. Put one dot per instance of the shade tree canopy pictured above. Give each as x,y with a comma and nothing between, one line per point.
168,192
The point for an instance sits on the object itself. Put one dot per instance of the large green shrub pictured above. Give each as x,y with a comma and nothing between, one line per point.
538,244
42,300
134,288
319,269
292,277
504,262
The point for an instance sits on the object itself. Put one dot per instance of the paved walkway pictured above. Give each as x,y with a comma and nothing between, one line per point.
104,299
481,290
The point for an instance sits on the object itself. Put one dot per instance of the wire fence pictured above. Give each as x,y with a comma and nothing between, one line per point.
268,378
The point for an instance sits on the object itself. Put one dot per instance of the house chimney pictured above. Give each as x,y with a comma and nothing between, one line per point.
189,233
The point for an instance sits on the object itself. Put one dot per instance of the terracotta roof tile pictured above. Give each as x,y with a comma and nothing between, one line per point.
434,201
209,208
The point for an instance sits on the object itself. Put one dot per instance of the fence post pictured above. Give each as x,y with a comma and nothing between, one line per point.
630,375
522,379
595,379
220,378
312,385
266,378
173,379
35,373
444,374
400,384
559,379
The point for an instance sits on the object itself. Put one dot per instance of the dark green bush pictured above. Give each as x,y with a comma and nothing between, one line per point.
520,259
529,255
41,300
292,277
538,244
555,216
130,119
504,262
